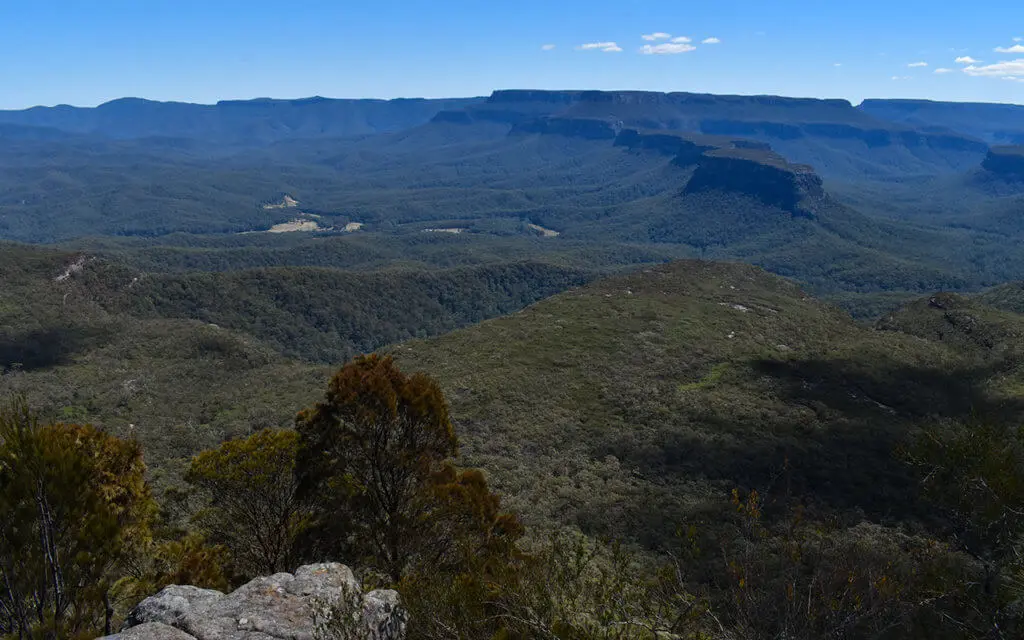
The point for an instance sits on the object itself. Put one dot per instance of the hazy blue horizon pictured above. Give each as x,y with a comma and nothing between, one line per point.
71,52
299,98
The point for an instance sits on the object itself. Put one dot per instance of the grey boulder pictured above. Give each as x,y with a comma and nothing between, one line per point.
151,631
317,602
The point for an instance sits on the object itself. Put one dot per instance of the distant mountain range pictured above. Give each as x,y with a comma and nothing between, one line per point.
235,121
265,119
884,197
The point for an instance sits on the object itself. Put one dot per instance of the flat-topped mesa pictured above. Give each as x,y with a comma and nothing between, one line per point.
653,110
763,175
516,96
1005,162
519,96
770,118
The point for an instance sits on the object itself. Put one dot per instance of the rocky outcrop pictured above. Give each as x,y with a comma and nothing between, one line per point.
316,602
1005,162
686,148
758,174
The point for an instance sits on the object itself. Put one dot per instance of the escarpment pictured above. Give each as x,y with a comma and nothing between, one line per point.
759,174
1005,162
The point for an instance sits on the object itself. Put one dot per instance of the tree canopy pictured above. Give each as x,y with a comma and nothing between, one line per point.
376,459
76,505
252,507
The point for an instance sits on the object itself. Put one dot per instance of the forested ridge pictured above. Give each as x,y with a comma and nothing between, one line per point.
739,441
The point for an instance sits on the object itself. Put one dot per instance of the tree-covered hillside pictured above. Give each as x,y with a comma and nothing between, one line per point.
676,380
632,400
632,407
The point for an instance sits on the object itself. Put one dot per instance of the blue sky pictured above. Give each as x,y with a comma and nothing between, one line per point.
85,52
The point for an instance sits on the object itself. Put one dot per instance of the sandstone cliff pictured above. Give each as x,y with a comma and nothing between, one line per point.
1005,162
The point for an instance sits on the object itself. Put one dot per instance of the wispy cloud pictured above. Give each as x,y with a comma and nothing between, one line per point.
1017,48
657,35
681,39
547,47
1018,39
666,48
710,41
966,60
917,65
1014,68
607,47
901,78
837,64
943,70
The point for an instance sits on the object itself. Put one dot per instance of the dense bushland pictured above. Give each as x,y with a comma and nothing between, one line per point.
368,476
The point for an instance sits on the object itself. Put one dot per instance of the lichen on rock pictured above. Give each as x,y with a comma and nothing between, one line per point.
317,602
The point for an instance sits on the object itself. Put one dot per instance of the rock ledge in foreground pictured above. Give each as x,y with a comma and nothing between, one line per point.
317,602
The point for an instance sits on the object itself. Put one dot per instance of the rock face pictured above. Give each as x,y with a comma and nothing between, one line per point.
317,602
1006,162
762,175
823,132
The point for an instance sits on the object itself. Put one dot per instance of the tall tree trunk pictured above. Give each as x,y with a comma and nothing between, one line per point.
47,532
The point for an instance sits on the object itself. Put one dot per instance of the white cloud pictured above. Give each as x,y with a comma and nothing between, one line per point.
916,65
547,47
901,78
1000,69
943,70
657,35
966,60
666,48
681,39
710,41
607,47
1017,48
837,64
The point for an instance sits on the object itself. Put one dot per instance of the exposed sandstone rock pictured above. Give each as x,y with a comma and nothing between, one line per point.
317,602
1006,162
759,174
151,631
